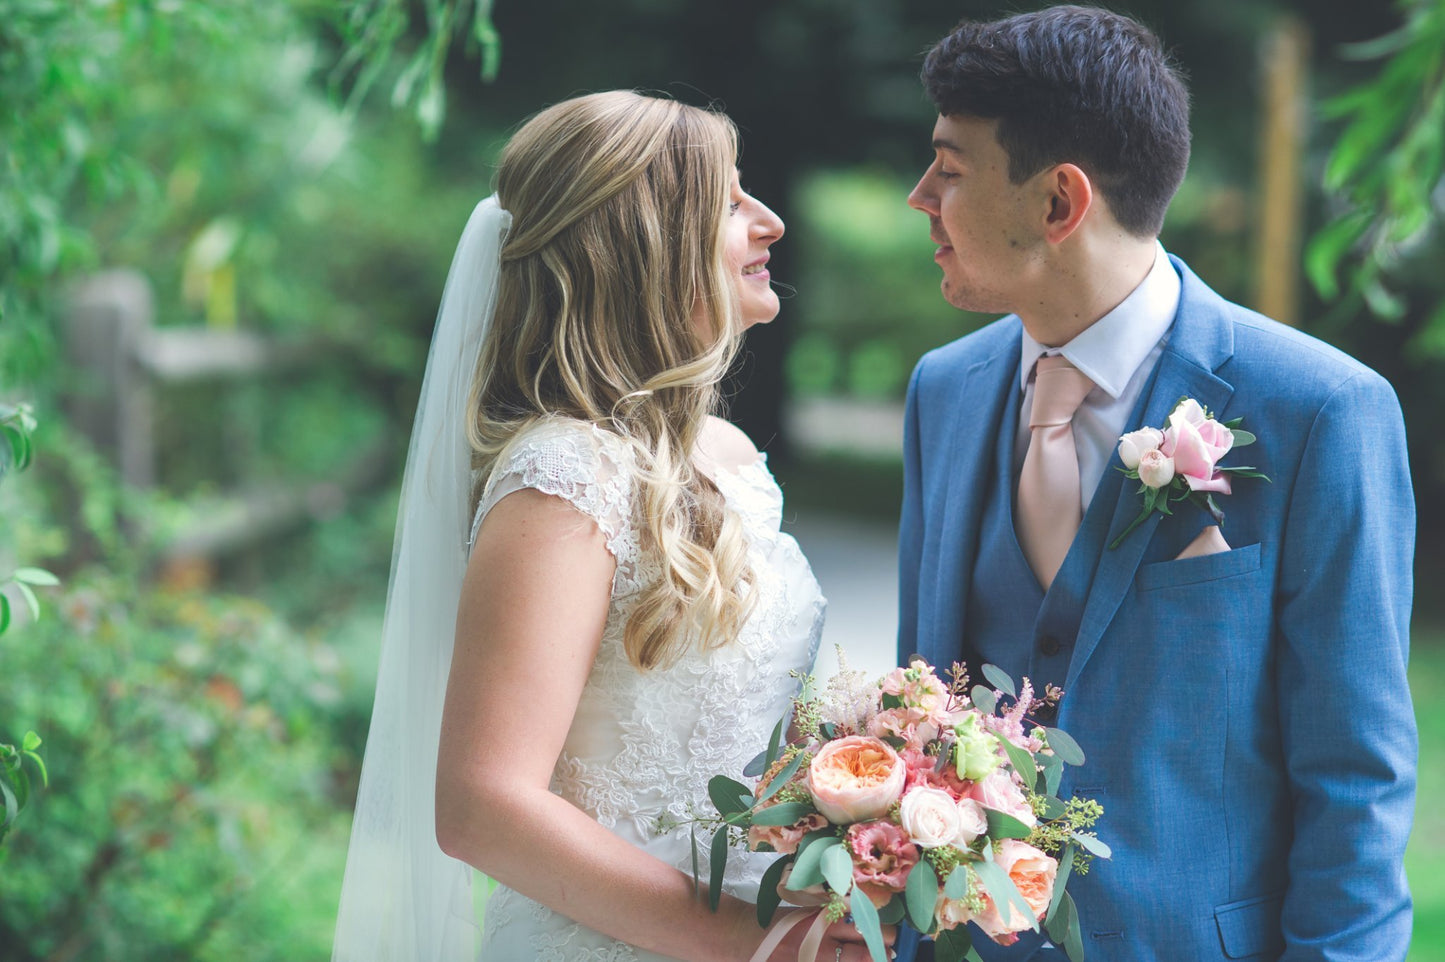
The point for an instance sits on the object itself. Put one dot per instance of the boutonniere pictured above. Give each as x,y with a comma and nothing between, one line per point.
1181,462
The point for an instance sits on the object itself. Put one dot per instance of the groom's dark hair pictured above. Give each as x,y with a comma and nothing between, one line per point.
1078,85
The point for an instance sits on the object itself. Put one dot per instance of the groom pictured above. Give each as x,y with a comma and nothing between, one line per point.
1239,690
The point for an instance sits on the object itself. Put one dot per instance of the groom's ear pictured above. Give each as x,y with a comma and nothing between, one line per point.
1070,197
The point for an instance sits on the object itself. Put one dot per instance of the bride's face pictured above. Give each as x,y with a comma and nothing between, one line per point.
751,229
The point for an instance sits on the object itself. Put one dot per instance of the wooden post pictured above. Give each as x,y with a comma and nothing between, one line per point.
110,396
1284,77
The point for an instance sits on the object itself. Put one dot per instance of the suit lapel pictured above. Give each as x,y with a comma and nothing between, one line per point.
1201,340
978,415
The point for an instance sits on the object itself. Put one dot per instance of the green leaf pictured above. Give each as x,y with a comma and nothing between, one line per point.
1022,762
784,813
807,868
30,742
865,918
1004,893
4,613
769,898
775,741
1053,773
1001,826
952,945
1073,938
984,699
1064,746
696,868
1053,808
31,602
837,868
12,805
893,912
921,894
1242,438
40,764
757,765
782,778
719,864
36,576
957,885
729,796
1000,679
1056,923
1066,866
1092,845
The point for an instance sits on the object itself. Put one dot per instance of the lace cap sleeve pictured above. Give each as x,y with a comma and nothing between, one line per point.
587,467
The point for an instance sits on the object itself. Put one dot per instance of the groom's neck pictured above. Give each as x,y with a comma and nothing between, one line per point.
1089,275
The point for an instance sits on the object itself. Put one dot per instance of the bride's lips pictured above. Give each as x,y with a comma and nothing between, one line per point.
757,270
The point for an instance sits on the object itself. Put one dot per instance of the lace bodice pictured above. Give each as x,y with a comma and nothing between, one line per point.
643,744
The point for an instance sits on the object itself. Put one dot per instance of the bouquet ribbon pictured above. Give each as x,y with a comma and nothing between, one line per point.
808,951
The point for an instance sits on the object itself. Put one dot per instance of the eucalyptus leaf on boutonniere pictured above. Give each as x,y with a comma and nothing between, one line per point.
1181,462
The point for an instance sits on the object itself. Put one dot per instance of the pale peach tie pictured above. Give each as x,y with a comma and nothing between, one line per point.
1049,505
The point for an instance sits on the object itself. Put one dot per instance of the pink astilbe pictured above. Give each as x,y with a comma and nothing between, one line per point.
850,701
1010,724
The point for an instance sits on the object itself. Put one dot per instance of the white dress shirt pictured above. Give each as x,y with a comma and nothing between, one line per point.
1117,352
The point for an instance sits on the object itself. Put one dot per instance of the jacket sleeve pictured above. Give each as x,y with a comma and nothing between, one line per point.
1350,743
910,524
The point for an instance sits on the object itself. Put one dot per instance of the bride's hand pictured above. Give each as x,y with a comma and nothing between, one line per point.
842,942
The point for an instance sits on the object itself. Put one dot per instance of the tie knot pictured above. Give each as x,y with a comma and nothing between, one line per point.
1059,389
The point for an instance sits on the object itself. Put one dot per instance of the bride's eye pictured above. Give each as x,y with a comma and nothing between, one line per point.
733,207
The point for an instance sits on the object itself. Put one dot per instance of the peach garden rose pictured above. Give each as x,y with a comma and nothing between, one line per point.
856,778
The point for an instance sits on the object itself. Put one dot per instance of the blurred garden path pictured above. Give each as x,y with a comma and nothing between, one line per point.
855,560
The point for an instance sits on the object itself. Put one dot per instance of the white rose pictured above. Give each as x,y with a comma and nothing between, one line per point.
1134,445
1156,470
972,822
930,817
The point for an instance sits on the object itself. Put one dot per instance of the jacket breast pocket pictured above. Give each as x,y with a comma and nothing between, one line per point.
1188,571
1250,928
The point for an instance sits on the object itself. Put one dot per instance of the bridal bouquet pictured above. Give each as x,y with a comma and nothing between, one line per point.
914,800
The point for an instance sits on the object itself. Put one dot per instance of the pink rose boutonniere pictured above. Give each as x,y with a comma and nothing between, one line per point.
1181,462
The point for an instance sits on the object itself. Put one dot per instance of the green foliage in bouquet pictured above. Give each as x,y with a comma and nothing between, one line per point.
968,874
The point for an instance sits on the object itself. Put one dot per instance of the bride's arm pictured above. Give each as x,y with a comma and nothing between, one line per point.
533,607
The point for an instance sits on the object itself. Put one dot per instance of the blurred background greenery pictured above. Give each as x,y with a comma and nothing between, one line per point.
288,178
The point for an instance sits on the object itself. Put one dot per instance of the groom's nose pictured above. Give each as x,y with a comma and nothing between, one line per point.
923,198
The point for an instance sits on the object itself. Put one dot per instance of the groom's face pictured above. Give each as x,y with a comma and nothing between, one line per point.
984,225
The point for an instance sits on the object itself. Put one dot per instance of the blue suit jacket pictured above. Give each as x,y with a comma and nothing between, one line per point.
1245,715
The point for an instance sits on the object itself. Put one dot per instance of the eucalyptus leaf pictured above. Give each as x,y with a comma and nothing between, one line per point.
865,918
893,912
837,868
40,764
782,778
4,613
1053,808
769,898
1001,826
1073,938
31,602
1242,437
757,765
984,699
719,865
1000,679
729,796
784,813
1064,746
952,945
1092,845
12,805
921,894
775,741
1053,773
957,885
1056,923
1066,866
1022,762
807,868
1004,892
696,867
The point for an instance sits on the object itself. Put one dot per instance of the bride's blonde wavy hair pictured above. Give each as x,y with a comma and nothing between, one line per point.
618,203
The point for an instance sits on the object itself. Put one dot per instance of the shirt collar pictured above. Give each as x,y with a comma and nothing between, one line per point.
1111,349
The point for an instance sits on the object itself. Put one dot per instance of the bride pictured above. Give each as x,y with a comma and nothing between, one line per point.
592,609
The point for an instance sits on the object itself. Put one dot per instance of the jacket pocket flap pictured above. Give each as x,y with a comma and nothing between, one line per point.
1209,567
1250,927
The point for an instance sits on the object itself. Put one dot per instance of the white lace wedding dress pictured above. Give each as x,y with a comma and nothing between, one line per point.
644,743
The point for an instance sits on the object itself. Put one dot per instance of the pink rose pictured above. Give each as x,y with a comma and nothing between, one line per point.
785,838
915,726
1134,445
1155,469
882,858
1001,793
1033,873
856,778
1196,443
923,772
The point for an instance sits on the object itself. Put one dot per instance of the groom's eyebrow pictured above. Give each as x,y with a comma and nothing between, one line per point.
941,144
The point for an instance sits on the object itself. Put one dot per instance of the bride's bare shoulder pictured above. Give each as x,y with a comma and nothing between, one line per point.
725,445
